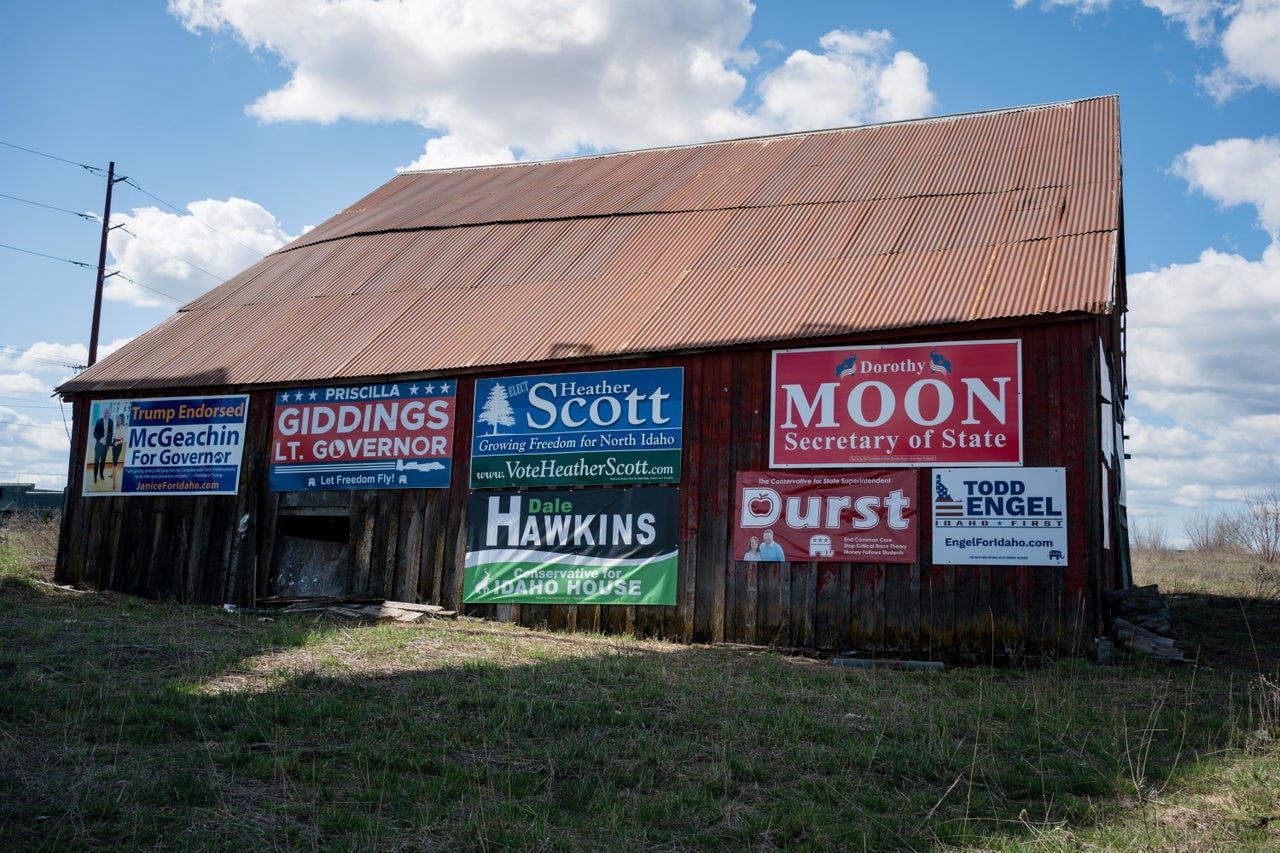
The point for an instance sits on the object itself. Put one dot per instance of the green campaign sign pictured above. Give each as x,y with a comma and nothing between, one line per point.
587,546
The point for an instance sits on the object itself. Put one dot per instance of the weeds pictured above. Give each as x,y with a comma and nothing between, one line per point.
134,725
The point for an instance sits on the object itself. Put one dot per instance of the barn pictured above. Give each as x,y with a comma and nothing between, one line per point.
859,388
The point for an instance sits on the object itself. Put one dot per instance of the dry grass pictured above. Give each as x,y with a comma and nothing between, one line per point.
1227,573
133,725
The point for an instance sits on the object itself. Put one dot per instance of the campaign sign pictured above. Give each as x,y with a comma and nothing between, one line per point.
615,426
869,517
587,546
391,436
952,403
1000,515
166,446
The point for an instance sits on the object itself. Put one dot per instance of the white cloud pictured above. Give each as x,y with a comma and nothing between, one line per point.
166,259
44,357
1197,16
505,79
1201,338
22,383
856,79
34,424
1248,37
448,152
1249,46
1238,171
33,449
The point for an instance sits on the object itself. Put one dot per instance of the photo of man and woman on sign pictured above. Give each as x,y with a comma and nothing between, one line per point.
104,452
764,550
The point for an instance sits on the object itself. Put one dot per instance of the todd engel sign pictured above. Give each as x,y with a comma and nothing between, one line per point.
397,435
952,402
1000,516
615,426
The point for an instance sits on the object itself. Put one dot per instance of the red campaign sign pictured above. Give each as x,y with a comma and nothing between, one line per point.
869,517
951,403
333,432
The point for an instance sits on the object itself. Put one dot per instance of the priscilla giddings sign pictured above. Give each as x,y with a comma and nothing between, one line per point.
949,403
397,435
579,429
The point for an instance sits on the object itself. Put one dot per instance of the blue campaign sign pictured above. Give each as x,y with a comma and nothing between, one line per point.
603,427
166,445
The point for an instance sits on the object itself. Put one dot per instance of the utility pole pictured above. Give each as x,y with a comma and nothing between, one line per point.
102,265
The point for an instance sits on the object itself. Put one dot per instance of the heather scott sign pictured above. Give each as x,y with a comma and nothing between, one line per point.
587,546
951,402
599,428
392,436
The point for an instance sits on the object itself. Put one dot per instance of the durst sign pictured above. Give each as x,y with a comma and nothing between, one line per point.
947,403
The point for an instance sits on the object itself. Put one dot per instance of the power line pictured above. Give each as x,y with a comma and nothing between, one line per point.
181,212
26,355
152,289
129,181
137,236
50,257
9,405
29,426
88,216
95,169
94,267
94,218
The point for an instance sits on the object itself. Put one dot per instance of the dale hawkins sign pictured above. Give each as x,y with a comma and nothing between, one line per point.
950,403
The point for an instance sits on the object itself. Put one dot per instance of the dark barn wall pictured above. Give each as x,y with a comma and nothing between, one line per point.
409,544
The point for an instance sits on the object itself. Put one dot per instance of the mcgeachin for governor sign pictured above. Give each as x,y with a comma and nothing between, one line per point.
165,446
946,403
578,429
1000,516
587,546
397,435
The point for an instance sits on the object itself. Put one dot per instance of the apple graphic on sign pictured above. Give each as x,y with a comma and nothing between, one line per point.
760,506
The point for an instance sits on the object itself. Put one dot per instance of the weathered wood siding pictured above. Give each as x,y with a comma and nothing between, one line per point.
409,544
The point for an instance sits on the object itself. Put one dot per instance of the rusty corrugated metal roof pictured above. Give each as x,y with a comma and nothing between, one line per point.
946,220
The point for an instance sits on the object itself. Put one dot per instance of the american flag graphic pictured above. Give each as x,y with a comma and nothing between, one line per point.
945,506
950,508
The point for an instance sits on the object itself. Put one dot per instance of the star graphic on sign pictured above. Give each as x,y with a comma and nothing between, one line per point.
430,389
413,389
313,394
444,387
284,396
297,397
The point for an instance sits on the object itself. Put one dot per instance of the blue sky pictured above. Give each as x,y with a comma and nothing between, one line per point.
240,123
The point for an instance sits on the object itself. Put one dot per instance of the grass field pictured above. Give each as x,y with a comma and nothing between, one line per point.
134,725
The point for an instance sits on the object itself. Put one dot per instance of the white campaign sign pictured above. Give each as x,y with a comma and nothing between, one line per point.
1000,516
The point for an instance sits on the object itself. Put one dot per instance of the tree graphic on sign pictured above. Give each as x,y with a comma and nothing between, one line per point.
497,410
